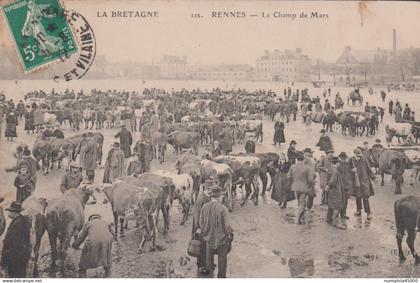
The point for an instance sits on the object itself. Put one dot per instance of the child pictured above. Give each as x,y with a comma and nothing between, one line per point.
23,183
336,195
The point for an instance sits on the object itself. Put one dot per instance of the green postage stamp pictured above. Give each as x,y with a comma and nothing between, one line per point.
40,31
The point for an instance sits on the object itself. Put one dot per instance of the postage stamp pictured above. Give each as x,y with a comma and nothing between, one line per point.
41,32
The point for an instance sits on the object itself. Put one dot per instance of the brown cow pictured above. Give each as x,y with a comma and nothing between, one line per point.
65,218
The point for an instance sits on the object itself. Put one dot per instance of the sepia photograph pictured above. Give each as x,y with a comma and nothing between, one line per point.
209,139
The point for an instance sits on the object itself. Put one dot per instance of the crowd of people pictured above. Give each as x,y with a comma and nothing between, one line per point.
340,176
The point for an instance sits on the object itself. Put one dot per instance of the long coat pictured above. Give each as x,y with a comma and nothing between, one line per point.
114,165
97,249
16,243
10,131
126,140
301,177
324,143
336,193
364,174
24,187
279,132
29,121
281,185
88,154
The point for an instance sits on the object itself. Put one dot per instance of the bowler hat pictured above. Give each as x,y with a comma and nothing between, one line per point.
323,131
26,152
342,155
299,155
335,159
365,142
74,164
216,192
307,149
293,142
94,216
117,144
15,207
378,140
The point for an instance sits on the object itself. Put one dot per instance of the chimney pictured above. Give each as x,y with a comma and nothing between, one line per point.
394,41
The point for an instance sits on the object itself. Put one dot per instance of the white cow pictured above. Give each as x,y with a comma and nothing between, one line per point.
183,190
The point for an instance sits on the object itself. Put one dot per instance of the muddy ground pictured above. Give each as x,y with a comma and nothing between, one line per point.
267,242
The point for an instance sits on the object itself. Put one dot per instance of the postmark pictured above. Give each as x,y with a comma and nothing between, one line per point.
41,32
79,64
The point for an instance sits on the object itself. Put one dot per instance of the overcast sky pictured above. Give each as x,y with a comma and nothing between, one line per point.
214,41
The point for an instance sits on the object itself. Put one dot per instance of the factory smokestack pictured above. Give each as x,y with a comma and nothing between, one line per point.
394,41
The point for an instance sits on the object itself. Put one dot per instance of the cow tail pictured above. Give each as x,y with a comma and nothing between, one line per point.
398,221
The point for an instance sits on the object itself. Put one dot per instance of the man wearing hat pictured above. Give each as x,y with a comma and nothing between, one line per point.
291,152
309,161
58,133
133,165
72,178
16,244
88,155
126,140
366,152
362,185
23,183
202,198
324,166
96,252
324,142
31,163
114,165
302,179
216,231
346,175
145,151
336,195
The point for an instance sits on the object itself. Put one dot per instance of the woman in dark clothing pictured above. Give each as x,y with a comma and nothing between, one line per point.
279,133
281,185
29,121
11,124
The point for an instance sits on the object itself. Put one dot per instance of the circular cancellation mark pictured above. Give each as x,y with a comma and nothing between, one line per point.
80,62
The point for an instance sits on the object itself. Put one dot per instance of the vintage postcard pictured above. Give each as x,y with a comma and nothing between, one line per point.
209,139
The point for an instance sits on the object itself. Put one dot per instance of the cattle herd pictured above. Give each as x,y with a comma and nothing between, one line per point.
190,121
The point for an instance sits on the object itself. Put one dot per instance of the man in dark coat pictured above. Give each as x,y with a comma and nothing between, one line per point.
362,185
16,244
126,140
291,152
336,194
202,198
278,133
324,142
346,175
216,231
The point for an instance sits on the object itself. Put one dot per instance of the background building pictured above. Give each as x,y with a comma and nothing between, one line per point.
173,67
222,72
283,66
